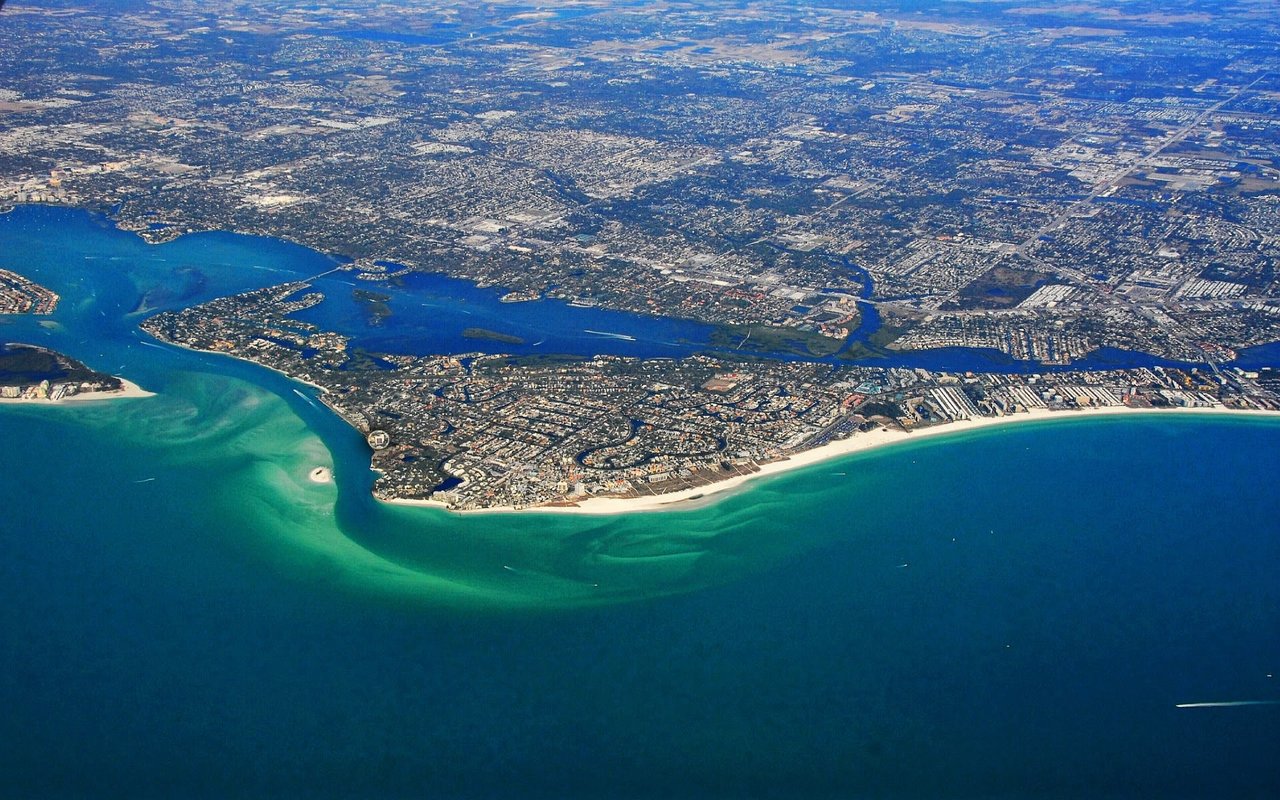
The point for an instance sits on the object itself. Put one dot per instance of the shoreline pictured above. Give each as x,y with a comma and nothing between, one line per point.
700,496
296,379
128,389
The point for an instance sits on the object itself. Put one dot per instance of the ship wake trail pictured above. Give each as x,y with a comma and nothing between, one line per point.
1230,704
304,396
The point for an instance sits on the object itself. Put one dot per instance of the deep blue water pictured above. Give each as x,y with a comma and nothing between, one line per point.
1267,355
1064,591
430,312
184,615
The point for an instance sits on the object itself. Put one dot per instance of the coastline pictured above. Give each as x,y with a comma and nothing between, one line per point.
696,497
128,389
296,379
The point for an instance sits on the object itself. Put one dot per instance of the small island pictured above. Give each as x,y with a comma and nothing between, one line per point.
36,374
484,334
375,305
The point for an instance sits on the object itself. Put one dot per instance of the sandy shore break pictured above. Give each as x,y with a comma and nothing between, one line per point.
703,495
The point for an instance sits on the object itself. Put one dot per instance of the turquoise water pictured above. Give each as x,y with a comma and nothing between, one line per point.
230,628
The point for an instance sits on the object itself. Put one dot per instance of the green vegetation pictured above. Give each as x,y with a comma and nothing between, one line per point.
550,360
875,345
998,287
773,339
27,364
487,335
880,408
376,306
361,360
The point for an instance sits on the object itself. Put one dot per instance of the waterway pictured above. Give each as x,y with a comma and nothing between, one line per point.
1013,612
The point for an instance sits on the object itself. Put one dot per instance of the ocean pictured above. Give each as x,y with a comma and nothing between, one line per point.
1005,613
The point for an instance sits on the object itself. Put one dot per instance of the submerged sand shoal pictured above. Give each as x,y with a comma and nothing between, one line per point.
694,497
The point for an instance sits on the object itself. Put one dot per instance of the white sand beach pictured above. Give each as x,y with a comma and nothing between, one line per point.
128,389
857,443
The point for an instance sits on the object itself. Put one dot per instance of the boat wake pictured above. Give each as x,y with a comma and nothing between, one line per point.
304,396
1230,704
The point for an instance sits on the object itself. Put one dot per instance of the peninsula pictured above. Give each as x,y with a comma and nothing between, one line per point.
38,375
19,295
475,431
820,189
